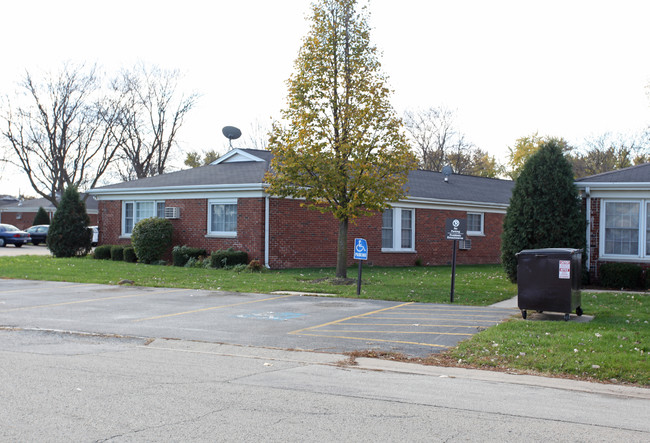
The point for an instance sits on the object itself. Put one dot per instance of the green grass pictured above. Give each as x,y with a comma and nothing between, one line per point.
475,285
614,346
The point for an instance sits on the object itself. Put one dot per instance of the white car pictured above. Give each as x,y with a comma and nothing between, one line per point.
95,239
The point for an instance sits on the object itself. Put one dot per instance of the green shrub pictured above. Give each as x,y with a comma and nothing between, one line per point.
545,210
41,217
103,252
621,275
151,238
181,254
129,254
69,235
228,258
117,253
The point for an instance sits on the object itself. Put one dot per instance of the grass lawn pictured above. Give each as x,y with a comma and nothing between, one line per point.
475,285
613,347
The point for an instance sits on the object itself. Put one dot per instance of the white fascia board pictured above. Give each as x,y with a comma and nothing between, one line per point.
452,205
177,192
631,186
615,190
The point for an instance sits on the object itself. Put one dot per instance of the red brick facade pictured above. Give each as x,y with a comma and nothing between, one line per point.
299,237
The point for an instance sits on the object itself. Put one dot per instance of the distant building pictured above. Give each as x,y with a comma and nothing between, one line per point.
21,213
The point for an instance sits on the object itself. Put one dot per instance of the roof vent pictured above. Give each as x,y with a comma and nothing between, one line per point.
447,171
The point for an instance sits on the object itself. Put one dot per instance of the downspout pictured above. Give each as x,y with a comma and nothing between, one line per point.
267,223
588,215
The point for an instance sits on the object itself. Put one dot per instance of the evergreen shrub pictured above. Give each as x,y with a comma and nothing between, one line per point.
117,252
41,217
181,254
103,252
151,238
228,258
68,235
621,275
129,254
545,210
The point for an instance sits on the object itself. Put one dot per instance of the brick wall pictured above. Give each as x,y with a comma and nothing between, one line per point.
303,238
594,238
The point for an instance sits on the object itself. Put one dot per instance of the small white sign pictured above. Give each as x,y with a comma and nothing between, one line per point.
565,269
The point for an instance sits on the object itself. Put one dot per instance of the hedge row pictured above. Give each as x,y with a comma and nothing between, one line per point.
180,254
623,275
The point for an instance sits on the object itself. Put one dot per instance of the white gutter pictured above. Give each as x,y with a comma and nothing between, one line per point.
177,189
636,186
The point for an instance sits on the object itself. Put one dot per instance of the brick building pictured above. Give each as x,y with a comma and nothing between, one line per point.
617,207
225,205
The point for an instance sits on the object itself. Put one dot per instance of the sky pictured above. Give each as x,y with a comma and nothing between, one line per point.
509,68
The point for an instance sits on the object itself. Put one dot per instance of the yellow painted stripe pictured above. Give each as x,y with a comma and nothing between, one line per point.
211,308
420,325
394,332
90,300
349,318
457,314
429,318
376,339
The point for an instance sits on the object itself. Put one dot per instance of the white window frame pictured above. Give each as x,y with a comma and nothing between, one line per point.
643,211
482,231
220,234
156,207
397,231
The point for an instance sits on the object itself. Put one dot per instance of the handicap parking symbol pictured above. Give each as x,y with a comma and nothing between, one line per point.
360,249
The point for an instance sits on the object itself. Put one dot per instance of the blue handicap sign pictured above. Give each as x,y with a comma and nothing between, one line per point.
360,249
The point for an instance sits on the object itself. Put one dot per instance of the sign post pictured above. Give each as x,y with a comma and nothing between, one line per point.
455,229
360,253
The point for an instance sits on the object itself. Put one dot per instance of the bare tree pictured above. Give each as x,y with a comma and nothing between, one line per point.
153,113
60,131
258,136
438,142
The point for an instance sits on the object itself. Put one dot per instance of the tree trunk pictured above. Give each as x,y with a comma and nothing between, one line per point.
342,250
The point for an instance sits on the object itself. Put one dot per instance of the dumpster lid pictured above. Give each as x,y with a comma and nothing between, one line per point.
549,251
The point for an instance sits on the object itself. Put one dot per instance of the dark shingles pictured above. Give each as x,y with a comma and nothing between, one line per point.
633,174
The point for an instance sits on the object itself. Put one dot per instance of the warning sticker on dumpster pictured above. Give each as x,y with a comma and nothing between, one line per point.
565,269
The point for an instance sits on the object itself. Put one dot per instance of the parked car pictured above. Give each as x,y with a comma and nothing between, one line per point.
11,235
95,238
38,233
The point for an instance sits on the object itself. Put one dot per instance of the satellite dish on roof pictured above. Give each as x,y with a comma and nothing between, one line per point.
447,171
231,133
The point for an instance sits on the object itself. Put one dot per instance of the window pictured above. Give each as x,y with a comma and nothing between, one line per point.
474,223
622,228
222,218
398,230
134,211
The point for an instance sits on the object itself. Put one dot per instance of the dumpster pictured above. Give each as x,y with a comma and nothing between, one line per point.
549,280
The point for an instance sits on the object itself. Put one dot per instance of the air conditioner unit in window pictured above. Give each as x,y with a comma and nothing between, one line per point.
465,244
172,212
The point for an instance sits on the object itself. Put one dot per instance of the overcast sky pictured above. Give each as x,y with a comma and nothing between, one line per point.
567,68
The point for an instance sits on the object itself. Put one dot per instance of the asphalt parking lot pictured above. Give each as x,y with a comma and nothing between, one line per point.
283,321
28,249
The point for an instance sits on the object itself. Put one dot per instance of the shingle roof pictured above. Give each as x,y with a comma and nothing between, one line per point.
633,174
421,184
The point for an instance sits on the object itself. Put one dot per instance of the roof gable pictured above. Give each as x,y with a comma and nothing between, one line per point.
239,155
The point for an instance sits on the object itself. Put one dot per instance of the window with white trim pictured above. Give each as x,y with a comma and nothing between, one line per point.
398,230
622,231
222,218
475,223
134,211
